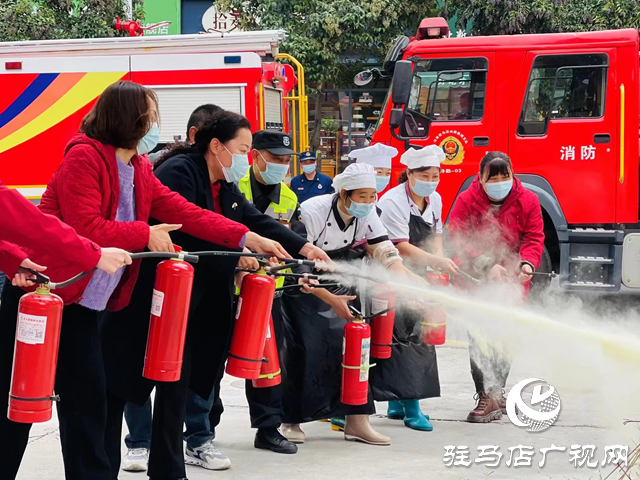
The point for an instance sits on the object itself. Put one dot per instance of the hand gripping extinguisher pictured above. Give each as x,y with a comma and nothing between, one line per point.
35,357
434,325
270,369
169,316
250,330
356,346
384,298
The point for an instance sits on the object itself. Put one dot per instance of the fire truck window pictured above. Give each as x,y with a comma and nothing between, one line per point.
561,87
445,89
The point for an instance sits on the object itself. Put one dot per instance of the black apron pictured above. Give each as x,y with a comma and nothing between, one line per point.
411,373
311,357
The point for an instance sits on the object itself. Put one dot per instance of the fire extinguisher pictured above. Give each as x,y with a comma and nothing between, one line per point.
35,357
384,301
169,316
438,279
356,346
250,330
270,369
434,325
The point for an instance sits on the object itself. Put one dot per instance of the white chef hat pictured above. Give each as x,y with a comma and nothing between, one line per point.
378,155
356,175
429,156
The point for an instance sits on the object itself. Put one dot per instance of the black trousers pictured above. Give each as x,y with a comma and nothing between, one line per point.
489,366
265,404
80,383
166,456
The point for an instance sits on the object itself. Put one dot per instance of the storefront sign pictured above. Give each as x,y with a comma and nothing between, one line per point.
219,22
156,11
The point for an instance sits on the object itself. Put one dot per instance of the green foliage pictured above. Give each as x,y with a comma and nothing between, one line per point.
505,17
51,19
333,38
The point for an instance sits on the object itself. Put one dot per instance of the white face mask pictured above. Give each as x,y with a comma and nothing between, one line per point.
238,169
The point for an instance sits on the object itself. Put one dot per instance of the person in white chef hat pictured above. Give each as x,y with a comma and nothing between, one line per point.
379,156
339,224
412,215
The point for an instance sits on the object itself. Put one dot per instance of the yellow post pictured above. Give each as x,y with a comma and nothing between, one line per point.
261,108
301,99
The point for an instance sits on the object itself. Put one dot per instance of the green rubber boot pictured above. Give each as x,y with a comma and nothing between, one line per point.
337,424
395,410
414,418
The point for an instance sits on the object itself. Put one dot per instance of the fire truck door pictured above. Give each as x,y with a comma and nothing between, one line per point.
564,129
452,104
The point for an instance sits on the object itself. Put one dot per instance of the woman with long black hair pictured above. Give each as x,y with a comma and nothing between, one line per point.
204,174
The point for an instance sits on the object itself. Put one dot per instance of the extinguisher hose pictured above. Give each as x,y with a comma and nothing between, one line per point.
377,314
319,285
43,279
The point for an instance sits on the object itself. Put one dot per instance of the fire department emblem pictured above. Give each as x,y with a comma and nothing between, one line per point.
286,141
453,150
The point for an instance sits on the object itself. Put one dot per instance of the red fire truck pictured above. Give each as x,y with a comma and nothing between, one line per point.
564,107
48,87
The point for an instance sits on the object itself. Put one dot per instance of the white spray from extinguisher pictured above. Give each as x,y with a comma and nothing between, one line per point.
584,354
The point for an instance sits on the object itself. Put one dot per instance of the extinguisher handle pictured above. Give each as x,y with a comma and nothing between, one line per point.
187,257
40,278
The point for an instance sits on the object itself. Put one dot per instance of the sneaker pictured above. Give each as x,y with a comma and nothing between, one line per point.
207,456
486,410
136,460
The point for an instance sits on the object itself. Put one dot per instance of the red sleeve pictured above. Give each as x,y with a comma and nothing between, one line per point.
171,207
460,232
79,190
532,242
10,258
21,223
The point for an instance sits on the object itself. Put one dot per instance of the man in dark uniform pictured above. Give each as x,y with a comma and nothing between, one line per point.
310,183
264,187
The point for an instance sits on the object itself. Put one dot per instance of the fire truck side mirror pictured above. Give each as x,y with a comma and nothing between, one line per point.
401,83
395,117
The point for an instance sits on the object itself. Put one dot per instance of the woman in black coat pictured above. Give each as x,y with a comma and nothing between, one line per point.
197,174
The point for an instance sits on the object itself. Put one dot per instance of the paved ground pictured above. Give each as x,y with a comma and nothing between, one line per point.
412,455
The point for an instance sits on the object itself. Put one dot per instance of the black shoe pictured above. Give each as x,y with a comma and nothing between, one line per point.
272,439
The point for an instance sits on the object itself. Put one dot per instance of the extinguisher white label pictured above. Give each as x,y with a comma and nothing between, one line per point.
268,331
364,359
31,329
344,345
239,307
157,302
378,305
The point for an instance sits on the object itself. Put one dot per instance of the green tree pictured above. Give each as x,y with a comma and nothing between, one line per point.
505,17
51,19
332,38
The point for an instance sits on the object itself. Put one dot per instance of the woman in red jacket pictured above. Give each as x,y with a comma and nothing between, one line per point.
106,190
497,232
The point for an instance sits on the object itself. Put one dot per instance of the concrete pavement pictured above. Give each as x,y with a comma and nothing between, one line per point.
412,454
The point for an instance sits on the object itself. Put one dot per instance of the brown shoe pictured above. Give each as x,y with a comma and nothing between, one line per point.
486,410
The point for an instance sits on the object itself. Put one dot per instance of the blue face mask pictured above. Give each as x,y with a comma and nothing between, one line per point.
274,173
149,141
238,168
381,183
309,169
424,189
499,190
360,210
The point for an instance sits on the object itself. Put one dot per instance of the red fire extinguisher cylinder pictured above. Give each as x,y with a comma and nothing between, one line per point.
35,357
270,370
434,325
355,363
382,325
250,330
168,325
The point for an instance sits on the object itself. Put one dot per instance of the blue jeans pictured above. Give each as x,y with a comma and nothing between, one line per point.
139,423
198,428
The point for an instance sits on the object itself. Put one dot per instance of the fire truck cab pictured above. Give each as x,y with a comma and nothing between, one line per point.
48,87
564,107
